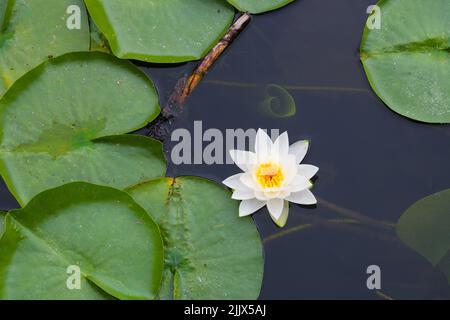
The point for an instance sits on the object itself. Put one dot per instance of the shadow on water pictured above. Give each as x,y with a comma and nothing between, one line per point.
374,163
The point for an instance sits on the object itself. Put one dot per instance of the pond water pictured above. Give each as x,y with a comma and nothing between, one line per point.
373,163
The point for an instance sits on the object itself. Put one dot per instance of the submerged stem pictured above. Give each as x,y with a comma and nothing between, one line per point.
287,231
351,217
352,214
307,226
287,87
383,295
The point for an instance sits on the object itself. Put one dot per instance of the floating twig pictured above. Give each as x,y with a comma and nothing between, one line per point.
161,126
187,86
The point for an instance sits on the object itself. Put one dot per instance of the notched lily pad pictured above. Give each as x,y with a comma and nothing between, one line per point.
407,61
96,232
161,31
32,31
210,253
258,6
98,41
65,120
425,228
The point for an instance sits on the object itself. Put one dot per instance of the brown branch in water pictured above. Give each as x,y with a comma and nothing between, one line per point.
160,128
185,86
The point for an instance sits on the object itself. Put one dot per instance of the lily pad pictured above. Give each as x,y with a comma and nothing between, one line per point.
100,231
161,31
5,10
210,253
425,228
34,31
258,6
2,220
407,60
64,122
98,40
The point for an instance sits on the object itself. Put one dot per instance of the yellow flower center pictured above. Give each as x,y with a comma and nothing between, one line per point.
269,175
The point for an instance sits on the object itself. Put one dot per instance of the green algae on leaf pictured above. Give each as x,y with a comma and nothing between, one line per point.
98,40
102,231
425,228
407,61
32,31
161,31
258,6
65,121
210,253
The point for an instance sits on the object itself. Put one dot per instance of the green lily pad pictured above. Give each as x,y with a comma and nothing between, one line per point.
210,253
407,60
33,31
258,6
161,31
100,231
2,220
63,122
425,228
98,40
5,10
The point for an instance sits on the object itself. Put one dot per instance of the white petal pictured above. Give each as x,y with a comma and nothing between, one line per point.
272,194
299,150
284,194
290,169
263,145
260,196
281,221
299,183
249,182
307,170
280,148
247,207
243,159
302,197
275,207
243,195
234,182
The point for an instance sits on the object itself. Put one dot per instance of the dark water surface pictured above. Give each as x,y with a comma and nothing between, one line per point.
373,163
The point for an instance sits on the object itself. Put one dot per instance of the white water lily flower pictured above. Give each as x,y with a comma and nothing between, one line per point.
272,176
